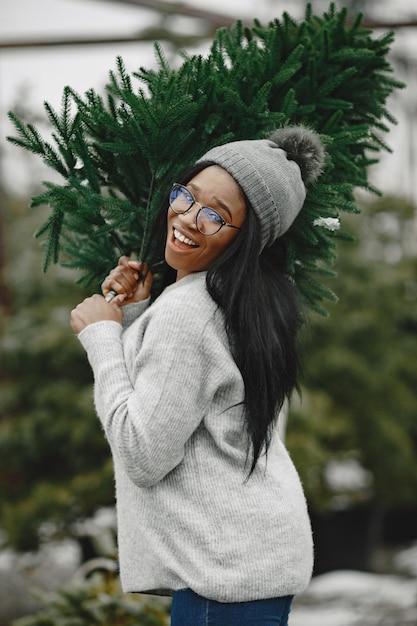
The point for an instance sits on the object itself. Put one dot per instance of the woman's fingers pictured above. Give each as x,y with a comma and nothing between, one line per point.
91,310
122,279
131,280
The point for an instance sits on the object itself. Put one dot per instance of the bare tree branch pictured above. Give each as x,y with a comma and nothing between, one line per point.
178,8
376,24
211,19
151,34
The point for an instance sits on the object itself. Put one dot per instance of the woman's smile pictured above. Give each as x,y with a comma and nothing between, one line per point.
181,238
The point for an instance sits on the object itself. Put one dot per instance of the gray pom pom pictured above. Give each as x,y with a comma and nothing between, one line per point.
303,146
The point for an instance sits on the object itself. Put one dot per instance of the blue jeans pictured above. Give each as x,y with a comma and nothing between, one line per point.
190,609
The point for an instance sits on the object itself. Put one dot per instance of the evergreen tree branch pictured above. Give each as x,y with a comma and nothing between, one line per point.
119,155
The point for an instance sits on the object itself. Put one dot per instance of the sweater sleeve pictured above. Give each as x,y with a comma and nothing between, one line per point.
149,417
133,311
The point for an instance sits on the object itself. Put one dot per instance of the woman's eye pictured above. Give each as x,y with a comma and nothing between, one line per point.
213,215
186,195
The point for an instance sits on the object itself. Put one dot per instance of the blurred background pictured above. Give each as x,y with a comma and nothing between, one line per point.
353,437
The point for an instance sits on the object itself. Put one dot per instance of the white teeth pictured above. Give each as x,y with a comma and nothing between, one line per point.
184,239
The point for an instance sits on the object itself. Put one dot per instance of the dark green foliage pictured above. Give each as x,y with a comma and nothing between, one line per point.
360,379
119,154
55,465
96,602
54,460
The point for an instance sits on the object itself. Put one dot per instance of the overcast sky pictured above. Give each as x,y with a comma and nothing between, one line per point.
45,71
37,74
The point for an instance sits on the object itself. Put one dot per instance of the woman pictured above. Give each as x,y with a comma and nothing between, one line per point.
188,389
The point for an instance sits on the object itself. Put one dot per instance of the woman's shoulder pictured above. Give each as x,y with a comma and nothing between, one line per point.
189,294
188,307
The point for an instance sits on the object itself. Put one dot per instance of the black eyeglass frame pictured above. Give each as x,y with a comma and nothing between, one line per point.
194,202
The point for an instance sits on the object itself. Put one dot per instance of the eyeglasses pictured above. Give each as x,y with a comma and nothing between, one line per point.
207,220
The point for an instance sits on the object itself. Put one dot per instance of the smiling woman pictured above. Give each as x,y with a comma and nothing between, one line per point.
197,231
189,390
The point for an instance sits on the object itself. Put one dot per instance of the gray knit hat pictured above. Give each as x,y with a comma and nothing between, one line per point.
273,173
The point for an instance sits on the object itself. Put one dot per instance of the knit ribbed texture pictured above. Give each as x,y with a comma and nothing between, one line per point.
169,397
271,182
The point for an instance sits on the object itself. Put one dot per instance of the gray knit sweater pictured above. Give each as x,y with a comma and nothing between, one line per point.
169,396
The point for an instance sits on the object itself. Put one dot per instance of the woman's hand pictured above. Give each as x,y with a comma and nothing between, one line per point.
94,309
131,280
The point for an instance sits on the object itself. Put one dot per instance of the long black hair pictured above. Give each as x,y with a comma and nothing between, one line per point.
262,313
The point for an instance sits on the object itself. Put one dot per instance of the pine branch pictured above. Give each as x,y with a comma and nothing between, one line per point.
118,154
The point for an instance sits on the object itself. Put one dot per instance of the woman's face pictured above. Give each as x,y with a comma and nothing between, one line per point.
187,250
